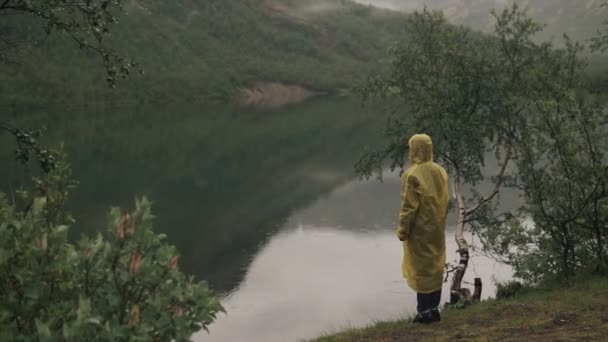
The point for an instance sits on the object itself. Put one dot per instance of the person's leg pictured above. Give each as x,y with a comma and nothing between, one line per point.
435,299
428,301
427,308
421,302
420,298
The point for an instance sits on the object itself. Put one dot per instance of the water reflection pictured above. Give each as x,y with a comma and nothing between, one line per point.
222,179
335,264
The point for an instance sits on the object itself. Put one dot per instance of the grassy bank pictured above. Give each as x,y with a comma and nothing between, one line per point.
566,313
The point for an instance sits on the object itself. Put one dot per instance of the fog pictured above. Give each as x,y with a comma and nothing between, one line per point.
579,19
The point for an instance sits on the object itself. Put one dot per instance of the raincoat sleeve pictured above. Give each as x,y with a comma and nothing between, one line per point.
410,201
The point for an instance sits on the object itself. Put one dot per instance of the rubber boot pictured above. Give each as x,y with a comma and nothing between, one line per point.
427,316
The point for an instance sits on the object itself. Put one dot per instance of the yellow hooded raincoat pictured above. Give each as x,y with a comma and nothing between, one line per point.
422,219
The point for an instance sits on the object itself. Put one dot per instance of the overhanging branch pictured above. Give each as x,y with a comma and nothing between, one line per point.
499,182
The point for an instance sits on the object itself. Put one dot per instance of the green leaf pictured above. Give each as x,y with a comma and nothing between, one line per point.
38,205
4,255
42,330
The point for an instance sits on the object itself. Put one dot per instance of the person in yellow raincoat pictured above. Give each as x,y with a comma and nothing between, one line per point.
422,224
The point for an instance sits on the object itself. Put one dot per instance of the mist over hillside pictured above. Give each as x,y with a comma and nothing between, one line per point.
205,51
580,19
323,45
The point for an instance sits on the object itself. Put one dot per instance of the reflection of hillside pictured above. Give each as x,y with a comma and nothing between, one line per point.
372,206
222,179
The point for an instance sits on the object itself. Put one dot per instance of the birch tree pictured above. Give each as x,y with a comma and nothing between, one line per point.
85,22
471,93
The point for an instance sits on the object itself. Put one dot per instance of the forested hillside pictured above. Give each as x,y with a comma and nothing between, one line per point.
203,50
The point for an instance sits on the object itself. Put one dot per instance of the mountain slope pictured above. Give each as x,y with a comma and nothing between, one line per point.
204,50
201,51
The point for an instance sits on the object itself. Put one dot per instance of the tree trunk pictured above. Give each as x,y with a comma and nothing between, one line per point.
477,293
457,293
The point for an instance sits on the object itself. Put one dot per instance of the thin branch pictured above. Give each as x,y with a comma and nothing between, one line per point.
498,185
7,128
90,21
4,4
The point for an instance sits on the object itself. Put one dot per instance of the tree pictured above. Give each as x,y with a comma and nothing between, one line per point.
126,286
86,22
563,171
600,41
472,93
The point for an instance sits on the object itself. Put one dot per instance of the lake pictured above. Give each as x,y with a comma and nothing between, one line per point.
223,179
262,204
334,264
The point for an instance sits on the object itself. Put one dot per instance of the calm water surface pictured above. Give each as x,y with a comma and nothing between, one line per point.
333,265
223,179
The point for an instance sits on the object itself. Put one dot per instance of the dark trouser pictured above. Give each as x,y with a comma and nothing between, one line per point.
428,301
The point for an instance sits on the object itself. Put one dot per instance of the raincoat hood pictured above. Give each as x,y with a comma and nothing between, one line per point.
421,149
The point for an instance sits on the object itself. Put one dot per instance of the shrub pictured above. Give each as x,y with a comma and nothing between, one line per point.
126,285
508,289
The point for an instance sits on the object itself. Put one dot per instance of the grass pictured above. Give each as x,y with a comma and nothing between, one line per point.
565,313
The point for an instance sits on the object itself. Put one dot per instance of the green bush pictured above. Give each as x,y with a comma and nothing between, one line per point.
124,286
508,289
